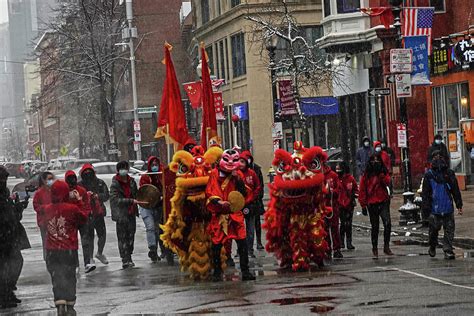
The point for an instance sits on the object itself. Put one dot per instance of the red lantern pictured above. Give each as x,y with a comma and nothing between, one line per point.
235,118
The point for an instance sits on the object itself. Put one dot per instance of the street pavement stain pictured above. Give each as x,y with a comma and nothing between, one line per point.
370,303
321,309
298,300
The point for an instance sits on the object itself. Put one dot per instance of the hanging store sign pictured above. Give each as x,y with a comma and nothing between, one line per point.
287,98
219,106
403,85
421,72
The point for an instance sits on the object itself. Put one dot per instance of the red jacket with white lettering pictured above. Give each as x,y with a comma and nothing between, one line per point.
62,219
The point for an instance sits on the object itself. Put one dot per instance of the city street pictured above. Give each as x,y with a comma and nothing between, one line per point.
409,282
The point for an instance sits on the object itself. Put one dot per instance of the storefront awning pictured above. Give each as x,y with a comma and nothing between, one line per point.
319,106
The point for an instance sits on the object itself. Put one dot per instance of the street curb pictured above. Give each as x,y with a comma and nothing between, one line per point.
461,242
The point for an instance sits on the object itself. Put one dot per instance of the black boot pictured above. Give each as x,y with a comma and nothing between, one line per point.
216,261
244,260
153,254
61,309
12,298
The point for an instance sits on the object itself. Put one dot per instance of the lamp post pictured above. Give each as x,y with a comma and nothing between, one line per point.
408,211
131,30
271,46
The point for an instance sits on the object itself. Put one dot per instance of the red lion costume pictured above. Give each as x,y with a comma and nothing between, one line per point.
295,216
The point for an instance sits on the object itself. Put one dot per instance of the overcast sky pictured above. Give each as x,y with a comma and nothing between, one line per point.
3,11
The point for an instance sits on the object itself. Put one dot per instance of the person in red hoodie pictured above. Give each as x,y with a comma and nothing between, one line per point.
85,230
224,224
384,155
374,198
40,200
348,191
332,222
253,188
62,220
153,217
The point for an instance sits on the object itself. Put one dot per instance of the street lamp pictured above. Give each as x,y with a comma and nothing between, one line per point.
271,46
408,209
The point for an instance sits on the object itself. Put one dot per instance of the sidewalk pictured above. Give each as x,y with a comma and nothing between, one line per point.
464,236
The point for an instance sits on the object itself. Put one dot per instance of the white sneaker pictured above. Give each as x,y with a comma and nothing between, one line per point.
89,267
102,258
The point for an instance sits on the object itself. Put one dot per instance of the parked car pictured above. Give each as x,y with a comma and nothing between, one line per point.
15,169
107,170
27,187
334,157
77,163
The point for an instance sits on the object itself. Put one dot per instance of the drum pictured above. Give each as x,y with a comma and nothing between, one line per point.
148,196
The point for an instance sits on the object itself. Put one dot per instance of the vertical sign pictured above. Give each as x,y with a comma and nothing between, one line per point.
421,71
403,85
219,106
402,135
287,98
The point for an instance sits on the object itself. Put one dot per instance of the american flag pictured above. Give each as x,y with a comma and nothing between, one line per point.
418,21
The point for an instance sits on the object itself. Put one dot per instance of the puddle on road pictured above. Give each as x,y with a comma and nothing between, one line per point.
321,309
298,300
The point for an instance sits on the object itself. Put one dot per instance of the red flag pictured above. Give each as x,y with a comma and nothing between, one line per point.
171,120
194,92
385,14
209,122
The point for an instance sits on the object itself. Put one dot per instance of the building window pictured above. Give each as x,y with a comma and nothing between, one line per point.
205,11
222,58
327,8
234,3
348,6
238,55
210,60
439,5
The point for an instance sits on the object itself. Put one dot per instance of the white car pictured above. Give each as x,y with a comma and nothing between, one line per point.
107,170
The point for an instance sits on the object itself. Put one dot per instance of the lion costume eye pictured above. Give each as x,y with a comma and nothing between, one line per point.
315,165
182,169
281,167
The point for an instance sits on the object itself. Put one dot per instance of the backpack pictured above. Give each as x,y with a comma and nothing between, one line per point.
442,202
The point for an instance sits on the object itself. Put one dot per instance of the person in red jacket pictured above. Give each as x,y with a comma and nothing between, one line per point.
253,188
332,223
348,191
374,198
40,200
224,224
85,230
384,155
62,220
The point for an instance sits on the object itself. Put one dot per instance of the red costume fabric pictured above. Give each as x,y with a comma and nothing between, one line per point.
373,189
62,219
218,189
41,199
331,179
348,190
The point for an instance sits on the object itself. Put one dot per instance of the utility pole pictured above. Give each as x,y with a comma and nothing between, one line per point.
131,34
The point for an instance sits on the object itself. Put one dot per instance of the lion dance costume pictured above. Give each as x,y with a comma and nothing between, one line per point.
185,230
295,216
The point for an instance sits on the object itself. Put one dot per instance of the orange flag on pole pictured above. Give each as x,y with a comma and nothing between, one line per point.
171,119
209,121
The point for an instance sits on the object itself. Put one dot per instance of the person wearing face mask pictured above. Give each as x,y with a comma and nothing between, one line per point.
363,154
153,217
253,187
123,203
40,200
98,194
440,188
13,239
387,162
79,197
227,223
438,145
348,192
375,200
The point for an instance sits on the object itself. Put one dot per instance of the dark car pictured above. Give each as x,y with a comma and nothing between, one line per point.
334,157
27,187
15,169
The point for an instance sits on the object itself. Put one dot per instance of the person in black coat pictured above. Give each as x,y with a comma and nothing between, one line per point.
13,239
438,145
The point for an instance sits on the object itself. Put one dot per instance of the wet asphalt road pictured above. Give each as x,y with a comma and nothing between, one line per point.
408,283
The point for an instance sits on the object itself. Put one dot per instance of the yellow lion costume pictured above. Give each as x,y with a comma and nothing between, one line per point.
185,230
